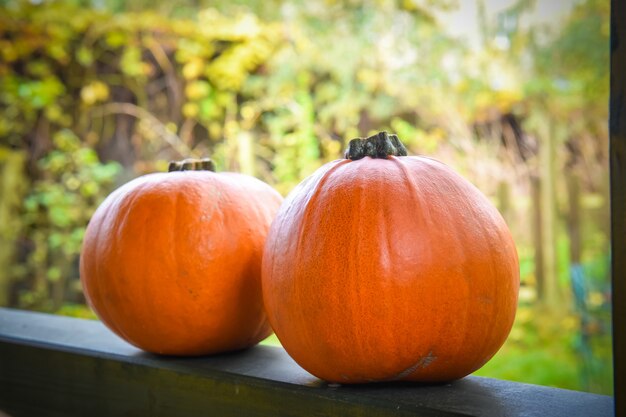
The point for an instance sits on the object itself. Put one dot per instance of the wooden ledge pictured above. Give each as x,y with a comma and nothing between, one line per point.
60,366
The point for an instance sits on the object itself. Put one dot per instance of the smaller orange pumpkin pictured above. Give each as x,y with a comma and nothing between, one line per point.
171,262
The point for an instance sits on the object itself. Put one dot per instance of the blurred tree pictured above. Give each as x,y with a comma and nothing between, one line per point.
560,77
541,92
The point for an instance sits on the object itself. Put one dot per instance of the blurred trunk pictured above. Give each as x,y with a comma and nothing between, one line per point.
117,142
547,155
245,151
573,217
12,188
504,200
535,192
58,291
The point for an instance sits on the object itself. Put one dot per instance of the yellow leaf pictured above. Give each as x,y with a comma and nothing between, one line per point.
193,68
190,110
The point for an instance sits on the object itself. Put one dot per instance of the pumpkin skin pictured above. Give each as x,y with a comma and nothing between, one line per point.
389,269
171,262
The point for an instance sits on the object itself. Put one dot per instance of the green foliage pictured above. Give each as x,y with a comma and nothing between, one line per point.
541,347
76,310
142,59
56,210
544,348
575,65
97,87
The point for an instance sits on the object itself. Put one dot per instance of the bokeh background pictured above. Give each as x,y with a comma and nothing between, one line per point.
513,94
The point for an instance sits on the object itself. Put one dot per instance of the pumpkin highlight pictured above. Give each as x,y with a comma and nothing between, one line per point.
383,267
171,262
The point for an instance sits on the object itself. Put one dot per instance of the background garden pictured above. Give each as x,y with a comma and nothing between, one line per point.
94,93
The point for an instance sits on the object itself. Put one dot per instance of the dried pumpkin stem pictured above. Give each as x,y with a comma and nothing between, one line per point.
380,146
191,164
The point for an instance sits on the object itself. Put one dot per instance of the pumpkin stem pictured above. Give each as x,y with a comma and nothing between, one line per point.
380,145
191,164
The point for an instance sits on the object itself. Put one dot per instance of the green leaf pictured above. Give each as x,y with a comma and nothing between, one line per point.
84,56
53,274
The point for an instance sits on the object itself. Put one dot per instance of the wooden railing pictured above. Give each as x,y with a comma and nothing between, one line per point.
60,366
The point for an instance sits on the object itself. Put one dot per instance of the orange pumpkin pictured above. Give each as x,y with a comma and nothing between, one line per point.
171,262
383,267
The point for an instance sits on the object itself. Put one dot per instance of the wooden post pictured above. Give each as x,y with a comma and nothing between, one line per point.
617,129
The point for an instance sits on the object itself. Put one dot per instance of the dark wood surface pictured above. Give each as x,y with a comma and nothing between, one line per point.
617,127
59,366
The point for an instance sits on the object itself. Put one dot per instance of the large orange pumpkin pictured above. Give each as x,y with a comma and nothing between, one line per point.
171,262
383,267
